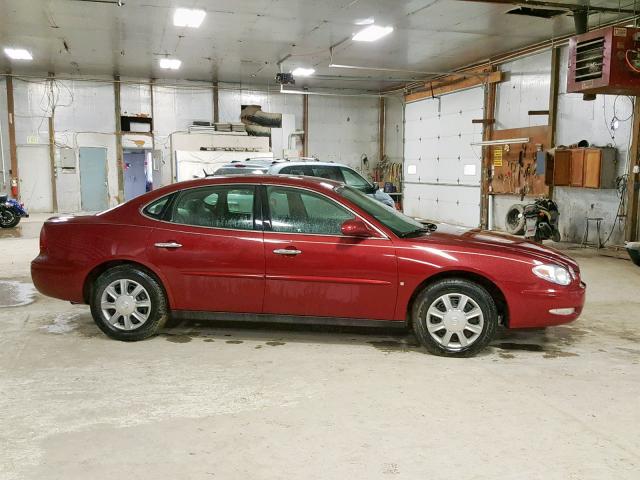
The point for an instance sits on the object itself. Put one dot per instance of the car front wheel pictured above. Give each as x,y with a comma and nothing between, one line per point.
128,304
454,317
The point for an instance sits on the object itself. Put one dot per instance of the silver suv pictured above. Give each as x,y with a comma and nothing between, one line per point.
309,167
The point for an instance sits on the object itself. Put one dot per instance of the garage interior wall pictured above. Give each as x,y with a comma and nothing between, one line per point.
527,88
341,128
5,155
394,128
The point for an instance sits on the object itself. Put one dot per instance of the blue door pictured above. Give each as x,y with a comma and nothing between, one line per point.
93,179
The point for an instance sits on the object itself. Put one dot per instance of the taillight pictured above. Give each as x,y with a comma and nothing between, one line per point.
43,240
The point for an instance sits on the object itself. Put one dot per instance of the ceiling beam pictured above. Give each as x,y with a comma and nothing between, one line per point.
569,7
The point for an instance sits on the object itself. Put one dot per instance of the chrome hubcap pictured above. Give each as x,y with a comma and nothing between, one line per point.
125,304
455,321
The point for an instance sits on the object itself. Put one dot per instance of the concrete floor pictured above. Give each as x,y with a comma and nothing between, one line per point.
233,402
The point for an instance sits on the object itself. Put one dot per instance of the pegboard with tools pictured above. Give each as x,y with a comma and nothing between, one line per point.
519,169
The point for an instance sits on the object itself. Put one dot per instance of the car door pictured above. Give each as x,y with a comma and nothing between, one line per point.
314,270
209,245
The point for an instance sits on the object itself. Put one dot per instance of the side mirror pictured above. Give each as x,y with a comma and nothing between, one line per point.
355,228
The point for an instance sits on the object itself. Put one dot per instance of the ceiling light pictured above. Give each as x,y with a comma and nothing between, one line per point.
18,54
170,63
186,17
372,33
365,21
303,72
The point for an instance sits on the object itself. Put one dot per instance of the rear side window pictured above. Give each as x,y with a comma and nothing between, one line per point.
325,171
156,209
216,207
297,170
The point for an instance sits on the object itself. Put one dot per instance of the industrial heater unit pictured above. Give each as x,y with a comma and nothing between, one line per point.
605,61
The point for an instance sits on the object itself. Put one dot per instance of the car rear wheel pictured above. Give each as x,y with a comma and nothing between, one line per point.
128,304
454,317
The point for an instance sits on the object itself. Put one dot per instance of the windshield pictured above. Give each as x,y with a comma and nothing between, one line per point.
397,222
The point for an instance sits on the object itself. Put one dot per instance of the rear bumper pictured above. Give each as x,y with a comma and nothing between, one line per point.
57,281
543,307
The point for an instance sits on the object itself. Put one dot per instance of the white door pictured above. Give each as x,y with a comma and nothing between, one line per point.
34,170
441,168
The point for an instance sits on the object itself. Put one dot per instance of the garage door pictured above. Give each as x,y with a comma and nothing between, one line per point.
441,168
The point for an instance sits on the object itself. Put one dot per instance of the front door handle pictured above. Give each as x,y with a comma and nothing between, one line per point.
287,251
167,245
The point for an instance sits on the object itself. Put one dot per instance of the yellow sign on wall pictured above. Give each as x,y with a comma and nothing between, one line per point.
497,157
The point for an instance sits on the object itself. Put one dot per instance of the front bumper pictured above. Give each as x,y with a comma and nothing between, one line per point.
543,307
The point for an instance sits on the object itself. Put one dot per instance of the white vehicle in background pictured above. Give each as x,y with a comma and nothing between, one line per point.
309,167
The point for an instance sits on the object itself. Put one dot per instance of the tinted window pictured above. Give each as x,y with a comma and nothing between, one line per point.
326,171
297,170
216,206
299,211
354,180
156,209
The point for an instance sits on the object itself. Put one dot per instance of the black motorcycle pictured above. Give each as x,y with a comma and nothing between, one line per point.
10,212
537,221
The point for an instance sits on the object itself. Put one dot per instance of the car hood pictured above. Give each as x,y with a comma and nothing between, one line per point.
497,243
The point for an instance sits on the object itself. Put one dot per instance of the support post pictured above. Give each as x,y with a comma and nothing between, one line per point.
52,151
305,125
119,153
633,179
216,115
153,117
487,132
381,128
553,101
13,149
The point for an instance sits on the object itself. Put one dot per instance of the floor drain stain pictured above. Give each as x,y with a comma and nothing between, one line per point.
16,294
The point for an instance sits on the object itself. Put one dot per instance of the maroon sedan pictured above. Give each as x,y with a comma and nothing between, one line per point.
299,250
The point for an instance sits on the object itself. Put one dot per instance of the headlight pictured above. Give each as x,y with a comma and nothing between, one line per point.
553,274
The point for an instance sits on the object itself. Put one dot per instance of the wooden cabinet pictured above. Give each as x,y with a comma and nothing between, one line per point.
562,168
577,167
585,167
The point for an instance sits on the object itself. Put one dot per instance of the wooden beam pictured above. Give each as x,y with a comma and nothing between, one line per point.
13,149
453,83
553,101
538,112
633,180
119,152
305,125
381,128
485,172
52,150
484,121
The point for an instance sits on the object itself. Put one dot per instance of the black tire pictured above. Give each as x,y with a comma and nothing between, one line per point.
514,220
158,312
454,286
8,219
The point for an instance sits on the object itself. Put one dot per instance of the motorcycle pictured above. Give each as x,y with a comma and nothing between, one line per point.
537,221
11,211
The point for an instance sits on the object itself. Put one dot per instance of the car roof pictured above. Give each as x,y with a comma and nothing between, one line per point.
288,163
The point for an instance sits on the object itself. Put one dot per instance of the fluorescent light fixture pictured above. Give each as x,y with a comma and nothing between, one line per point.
372,33
303,72
170,63
365,21
186,17
18,54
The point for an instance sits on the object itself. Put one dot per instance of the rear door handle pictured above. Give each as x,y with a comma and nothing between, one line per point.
287,251
167,245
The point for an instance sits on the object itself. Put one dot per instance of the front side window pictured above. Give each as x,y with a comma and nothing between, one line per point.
221,206
299,211
353,179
